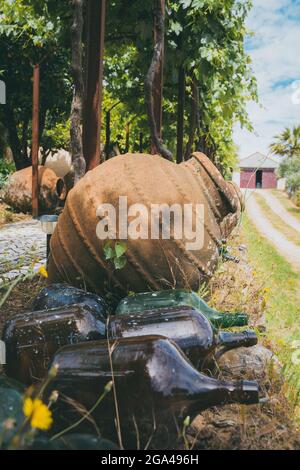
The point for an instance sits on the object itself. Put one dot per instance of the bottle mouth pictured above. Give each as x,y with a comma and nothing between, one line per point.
251,338
249,392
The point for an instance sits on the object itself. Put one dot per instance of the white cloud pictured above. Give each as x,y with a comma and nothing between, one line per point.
276,64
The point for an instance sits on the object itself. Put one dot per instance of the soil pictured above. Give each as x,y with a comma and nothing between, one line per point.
20,299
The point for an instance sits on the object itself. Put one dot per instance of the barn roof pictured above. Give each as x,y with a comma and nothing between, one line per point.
258,160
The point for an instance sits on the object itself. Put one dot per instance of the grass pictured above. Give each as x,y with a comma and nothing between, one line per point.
279,224
283,306
287,203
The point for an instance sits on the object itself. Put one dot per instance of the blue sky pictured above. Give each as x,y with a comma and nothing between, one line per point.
275,53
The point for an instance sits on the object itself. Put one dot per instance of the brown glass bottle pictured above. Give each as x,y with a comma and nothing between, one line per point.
153,381
187,327
33,338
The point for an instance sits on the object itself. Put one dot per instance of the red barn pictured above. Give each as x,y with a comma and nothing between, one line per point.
258,171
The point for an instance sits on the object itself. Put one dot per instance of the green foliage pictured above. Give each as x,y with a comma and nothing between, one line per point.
116,253
290,169
57,136
297,200
6,168
11,415
34,32
287,144
215,35
205,36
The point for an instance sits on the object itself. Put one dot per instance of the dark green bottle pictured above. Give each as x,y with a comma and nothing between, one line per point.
176,298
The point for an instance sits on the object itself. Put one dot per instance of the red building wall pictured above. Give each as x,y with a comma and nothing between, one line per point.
269,180
248,179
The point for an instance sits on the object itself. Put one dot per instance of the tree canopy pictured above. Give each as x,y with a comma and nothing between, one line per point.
287,145
204,40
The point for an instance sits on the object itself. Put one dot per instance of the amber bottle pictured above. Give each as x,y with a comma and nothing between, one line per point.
33,338
188,328
153,380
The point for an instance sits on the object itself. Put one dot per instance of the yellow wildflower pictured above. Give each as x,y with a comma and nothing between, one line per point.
254,273
39,414
266,290
43,272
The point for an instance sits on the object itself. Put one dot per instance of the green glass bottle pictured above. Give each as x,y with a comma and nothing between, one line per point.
176,298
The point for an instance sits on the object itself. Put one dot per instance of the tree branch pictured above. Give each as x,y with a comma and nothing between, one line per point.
159,16
77,103
193,117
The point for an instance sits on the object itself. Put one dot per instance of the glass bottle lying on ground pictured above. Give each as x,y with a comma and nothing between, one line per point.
154,383
34,337
179,297
62,295
187,327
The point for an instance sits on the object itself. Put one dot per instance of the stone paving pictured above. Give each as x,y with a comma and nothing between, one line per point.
22,246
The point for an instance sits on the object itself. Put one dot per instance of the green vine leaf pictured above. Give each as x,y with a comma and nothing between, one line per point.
120,263
109,251
120,249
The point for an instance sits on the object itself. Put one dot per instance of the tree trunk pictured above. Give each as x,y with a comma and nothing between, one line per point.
193,118
127,137
154,70
108,129
93,93
180,114
43,115
24,139
19,158
76,108
141,138
108,134
127,133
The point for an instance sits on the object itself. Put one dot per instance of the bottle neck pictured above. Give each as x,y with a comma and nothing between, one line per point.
227,341
222,319
194,391
228,320
210,392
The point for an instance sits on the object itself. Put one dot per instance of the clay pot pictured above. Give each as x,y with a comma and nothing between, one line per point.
78,255
18,191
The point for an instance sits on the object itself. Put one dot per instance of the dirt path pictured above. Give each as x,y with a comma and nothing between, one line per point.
280,210
286,248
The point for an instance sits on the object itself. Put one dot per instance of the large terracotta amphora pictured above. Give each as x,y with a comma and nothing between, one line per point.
210,207
18,190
